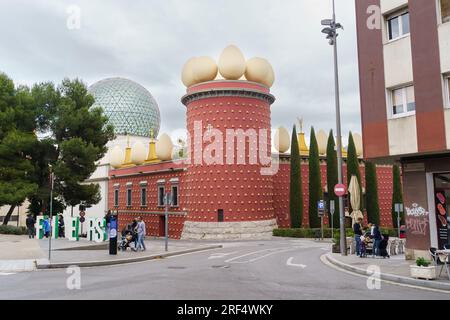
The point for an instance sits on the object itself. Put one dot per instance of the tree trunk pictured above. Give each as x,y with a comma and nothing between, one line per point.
9,214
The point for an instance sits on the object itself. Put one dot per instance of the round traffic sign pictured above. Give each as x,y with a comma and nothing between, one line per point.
82,213
340,190
82,219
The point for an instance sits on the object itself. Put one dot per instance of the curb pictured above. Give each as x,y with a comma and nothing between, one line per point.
390,277
44,263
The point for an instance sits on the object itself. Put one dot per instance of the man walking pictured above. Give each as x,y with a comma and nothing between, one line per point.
376,234
141,234
30,226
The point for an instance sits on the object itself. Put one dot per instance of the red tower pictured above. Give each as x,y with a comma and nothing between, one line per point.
228,193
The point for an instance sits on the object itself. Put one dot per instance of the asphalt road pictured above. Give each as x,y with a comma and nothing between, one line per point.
277,269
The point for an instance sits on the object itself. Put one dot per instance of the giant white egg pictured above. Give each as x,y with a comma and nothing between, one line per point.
232,63
187,75
281,140
204,69
322,140
116,157
357,138
138,153
164,148
259,70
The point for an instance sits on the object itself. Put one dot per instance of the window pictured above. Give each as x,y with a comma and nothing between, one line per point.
174,194
398,25
143,197
116,197
403,101
445,10
161,195
128,197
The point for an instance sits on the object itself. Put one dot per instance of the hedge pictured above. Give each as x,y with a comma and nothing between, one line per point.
316,232
12,230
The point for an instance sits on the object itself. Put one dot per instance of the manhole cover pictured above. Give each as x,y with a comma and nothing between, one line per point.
177,268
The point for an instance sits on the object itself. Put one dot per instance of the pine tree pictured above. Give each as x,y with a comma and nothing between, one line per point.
17,122
315,181
332,179
372,206
353,168
397,196
295,192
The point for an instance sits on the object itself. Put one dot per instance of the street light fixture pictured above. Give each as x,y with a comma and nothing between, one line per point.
331,31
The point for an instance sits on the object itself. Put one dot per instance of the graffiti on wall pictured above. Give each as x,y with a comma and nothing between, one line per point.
417,220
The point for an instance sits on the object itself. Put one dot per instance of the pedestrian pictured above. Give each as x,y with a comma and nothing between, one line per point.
357,231
30,222
363,245
47,227
376,234
61,227
141,234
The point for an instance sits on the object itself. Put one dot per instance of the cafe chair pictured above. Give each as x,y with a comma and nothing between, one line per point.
436,259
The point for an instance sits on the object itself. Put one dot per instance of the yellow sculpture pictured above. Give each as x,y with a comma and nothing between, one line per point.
128,163
303,148
152,158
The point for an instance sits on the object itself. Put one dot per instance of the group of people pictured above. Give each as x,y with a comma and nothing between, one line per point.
134,233
31,229
364,236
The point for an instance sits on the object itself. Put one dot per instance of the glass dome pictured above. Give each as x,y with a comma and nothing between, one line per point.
130,107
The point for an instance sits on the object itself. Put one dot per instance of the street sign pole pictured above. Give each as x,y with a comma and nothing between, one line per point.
332,218
52,179
398,210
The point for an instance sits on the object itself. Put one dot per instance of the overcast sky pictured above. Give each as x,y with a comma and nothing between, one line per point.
149,42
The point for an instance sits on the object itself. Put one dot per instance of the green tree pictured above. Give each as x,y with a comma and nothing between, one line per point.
372,206
332,178
17,139
76,135
315,181
353,167
295,191
397,196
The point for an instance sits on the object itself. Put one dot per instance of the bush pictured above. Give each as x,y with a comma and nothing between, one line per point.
12,230
422,262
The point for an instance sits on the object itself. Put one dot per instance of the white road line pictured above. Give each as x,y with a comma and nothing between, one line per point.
289,263
6,274
220,255
270,252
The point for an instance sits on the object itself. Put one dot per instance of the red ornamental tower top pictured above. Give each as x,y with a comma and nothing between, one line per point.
229,185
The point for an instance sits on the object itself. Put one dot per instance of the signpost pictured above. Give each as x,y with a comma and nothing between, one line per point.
113,234
321,210
340,190
398,210
166,220
332,217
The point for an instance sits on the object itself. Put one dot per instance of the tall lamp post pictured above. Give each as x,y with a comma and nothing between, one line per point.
331,31
52,180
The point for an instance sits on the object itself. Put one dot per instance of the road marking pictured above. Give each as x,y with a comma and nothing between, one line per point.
289,263
6,274
270,252
220,255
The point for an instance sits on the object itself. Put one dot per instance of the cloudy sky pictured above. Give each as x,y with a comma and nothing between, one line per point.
149,42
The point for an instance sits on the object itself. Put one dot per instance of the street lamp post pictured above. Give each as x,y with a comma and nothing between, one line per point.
331,30
52,179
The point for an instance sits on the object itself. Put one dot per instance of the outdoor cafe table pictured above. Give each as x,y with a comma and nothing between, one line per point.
445,253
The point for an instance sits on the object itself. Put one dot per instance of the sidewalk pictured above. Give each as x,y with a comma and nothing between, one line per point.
20,254
395,269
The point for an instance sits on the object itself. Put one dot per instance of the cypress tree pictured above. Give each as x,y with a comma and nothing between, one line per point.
332,178
397,196
295,191
372,206
353,168
315,181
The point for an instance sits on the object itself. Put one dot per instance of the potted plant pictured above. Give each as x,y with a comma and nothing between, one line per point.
423,270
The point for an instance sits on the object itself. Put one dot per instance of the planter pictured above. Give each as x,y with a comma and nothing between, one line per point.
428,273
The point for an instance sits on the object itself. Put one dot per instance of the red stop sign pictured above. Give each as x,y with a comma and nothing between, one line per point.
340,190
